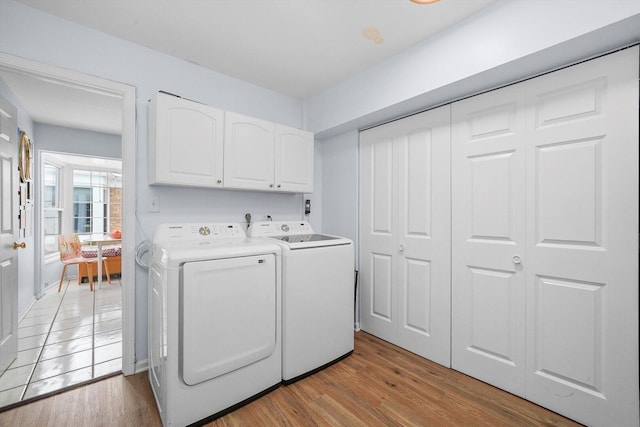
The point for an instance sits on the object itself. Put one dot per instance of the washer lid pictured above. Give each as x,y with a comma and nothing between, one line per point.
303,241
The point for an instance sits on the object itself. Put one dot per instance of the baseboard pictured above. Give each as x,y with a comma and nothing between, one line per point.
141,366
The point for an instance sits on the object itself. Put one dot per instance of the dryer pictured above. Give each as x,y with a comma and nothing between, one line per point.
318,296
214,320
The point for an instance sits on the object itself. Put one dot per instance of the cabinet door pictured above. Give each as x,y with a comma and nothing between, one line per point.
424,235
249,145
488,233
185,142
293,160
582,238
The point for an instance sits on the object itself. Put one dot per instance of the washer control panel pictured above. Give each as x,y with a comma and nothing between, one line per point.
279,228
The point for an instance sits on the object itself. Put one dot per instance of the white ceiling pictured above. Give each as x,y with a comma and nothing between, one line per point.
294,47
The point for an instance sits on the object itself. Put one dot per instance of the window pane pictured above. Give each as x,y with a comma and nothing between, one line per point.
115,180
81,194
51,185
81,178
98,179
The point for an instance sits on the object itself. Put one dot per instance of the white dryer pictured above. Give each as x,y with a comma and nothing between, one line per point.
318,296
214,320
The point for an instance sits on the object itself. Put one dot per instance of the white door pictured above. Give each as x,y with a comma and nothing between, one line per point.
405,233
582,241
249,146
185,142
488,232
293,160
423,234
8,234
378,231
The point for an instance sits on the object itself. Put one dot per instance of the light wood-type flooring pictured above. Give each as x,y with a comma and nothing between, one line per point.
378,385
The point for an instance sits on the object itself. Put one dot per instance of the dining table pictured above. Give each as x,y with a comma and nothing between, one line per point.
100,240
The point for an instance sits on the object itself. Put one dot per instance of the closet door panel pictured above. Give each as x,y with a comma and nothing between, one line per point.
488,237
424,234
378,226
582,274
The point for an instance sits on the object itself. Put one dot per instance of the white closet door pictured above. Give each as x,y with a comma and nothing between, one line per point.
488,233
424,221
582,267
378,228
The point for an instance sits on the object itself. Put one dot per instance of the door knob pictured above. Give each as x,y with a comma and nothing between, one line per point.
517,259
401,248
17,245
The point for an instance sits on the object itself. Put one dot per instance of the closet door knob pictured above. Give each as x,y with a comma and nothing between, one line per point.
401,248
517,260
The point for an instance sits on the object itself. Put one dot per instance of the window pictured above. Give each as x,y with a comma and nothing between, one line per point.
96,202
52,210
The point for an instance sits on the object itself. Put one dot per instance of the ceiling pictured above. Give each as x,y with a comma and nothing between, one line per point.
295,47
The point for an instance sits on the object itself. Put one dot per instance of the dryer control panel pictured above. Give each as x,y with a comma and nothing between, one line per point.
198,231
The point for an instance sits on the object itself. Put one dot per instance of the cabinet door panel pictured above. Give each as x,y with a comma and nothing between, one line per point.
424,234
293,160
488,231
249,145
582,237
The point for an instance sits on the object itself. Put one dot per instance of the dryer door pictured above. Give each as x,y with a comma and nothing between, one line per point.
228,315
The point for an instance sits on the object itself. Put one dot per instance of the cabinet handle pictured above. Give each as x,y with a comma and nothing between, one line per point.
270,185
517,259
279,185
219,181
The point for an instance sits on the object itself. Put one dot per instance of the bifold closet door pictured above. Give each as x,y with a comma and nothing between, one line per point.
582,241
405,233
488,235
545,239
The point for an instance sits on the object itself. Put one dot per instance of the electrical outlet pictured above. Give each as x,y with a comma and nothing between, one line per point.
154,206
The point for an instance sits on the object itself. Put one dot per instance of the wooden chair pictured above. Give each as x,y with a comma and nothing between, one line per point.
71,254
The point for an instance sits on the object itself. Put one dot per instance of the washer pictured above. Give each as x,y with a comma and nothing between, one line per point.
214,320
318,294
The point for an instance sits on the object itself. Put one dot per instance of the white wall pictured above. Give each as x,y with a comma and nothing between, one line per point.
54,41
340,185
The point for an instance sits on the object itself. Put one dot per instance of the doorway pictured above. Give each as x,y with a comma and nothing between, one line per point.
126,96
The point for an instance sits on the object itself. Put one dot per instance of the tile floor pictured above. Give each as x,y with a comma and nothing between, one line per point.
66,338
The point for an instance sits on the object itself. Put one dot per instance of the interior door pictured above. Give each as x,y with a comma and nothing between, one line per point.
424,239
488,238
378,228
8,234
582,238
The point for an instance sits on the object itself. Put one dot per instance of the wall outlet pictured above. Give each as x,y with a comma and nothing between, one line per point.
154,206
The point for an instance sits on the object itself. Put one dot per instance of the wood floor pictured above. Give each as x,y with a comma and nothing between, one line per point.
378,385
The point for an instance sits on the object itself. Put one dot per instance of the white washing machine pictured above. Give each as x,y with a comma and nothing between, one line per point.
214,320
318,295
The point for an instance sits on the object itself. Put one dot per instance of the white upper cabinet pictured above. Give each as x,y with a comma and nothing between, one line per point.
260,155
194,145
293,160
248,152
185,142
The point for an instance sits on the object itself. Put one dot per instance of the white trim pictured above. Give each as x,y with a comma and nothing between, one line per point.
142,366
127,94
